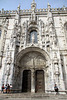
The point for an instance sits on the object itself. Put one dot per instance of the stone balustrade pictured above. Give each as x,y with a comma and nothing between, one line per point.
58,9
25,11
8,12
64,9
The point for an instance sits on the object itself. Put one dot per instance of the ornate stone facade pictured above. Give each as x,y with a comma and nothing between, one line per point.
33,48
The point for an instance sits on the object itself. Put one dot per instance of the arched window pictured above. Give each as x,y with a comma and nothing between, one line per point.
33,36
0,33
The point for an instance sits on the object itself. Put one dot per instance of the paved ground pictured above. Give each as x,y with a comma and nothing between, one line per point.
21,96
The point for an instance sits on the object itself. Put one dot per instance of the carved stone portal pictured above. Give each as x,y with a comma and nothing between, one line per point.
30,62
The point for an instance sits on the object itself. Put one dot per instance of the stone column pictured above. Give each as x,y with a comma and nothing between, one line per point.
32,81
65,70
44,81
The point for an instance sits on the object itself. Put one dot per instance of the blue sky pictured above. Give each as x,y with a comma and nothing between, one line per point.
26,4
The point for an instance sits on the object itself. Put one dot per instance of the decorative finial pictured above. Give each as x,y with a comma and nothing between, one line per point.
64,7
33,1
18,8
48,3
33,6
49,7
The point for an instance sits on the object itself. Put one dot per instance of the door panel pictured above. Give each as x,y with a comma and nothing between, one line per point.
39,80
26,84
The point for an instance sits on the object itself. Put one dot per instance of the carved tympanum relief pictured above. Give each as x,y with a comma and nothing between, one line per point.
33,59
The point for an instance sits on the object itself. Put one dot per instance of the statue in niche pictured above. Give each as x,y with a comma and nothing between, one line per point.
8,62
56,67
8,70
33,38
19,30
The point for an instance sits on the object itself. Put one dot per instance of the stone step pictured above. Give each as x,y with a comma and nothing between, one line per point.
33,95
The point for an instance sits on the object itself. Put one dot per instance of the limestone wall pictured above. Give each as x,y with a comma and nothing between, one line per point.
16,27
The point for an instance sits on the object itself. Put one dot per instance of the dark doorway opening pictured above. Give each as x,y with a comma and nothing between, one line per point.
39,81
26,81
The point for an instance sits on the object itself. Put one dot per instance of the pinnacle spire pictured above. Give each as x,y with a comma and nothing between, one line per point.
49,6
48,3
19,5
33,5
33,1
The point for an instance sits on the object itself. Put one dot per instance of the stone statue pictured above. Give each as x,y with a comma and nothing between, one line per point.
33,38
8,70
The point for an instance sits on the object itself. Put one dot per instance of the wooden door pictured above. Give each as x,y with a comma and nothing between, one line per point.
26,84
39,81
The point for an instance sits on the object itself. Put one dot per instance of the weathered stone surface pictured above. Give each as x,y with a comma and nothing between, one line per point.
34,40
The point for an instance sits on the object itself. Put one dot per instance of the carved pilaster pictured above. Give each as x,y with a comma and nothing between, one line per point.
52,32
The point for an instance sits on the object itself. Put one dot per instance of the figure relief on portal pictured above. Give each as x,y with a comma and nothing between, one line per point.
33,38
